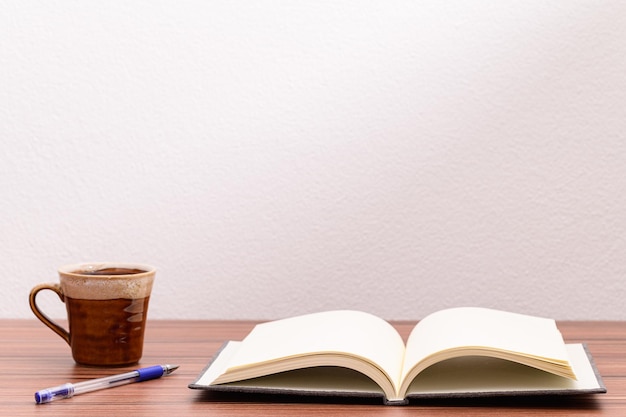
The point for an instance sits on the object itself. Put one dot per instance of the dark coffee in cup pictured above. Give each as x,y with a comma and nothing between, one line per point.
107,306
109,271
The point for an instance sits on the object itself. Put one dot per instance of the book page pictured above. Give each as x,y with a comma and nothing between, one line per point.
343,334
489,376
475,327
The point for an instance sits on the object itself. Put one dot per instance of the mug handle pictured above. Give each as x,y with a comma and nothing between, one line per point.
65,335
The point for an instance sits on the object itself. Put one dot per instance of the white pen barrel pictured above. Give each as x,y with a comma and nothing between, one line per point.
106,382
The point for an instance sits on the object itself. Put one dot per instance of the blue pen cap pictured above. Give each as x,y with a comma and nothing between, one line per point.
47,395
150,372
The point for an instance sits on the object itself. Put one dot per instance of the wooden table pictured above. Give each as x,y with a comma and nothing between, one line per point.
32,358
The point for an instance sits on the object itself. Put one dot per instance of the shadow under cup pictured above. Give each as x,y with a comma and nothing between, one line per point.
107,306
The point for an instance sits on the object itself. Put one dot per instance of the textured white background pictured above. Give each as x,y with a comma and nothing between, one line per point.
274,158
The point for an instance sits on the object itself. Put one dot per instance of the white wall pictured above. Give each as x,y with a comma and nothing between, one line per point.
273,158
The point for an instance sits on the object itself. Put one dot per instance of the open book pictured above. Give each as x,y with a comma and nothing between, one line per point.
456,352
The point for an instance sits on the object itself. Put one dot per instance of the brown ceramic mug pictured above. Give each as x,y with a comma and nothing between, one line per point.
107,306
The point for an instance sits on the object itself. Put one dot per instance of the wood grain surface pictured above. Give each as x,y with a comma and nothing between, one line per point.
33,357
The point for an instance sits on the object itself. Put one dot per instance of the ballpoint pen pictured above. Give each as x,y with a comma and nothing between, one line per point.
69,390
